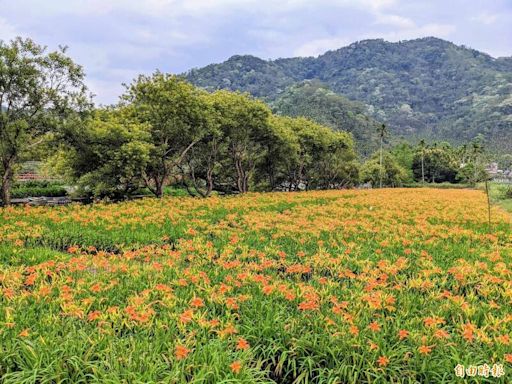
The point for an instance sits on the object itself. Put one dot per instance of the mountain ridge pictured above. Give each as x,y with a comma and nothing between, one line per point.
422,88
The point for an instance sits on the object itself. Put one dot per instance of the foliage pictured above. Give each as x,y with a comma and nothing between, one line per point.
312,156
316,101
38,89
392,174
439,165
404,153
315,287
243,123
106,154
422,88
224,141
176,118
29,191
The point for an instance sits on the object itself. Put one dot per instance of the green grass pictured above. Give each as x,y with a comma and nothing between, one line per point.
500,194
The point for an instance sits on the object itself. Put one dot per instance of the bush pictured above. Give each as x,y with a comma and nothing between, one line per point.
508,193
37,184
437,185
27,191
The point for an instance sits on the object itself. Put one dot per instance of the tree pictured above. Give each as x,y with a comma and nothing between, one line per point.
244,122
422,146
439,164
312,155
390,173
382,131
404,155
175,114
202,163
335,166
38,90
106,154
281,151
473,169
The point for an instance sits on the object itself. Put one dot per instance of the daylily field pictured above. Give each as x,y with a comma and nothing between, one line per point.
373,286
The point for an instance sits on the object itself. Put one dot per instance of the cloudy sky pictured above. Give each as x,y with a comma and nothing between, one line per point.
117,39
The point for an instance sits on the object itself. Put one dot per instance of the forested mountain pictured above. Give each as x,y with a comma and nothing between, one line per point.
423,88
316,101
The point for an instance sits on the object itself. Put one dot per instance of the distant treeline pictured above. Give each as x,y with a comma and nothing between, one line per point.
166,131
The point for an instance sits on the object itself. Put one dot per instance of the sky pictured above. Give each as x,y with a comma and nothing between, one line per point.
115,40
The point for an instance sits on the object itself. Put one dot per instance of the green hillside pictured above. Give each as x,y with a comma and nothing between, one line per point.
316,101
421,88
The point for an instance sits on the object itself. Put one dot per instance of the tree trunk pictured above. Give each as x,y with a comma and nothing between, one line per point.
422,168
240,175
6,185
209,183
381,142
159,187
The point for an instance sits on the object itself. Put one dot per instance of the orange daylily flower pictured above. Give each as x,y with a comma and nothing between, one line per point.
197,302
24,333
181,352
383,361
236,366
403,334
242,344
374,326
425,349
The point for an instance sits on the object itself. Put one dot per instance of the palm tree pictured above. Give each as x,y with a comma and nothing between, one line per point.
422,147
382,131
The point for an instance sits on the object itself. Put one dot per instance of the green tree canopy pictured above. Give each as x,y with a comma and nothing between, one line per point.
176,116
38,91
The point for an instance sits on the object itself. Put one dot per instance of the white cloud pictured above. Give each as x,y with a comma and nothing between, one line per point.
7,31
319,46
485,18
395,21
117,39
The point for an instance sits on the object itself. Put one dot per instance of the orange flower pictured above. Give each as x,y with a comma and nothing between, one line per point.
354,330
236,366
231,303
441,334
309,305
163,288
24,333
468,331
94,315
425,349
504,339
229,330
197,302
31,279
374,326
242,344
403,334
508,357
186,316
432,321
383,361
192,231
181,352
73,249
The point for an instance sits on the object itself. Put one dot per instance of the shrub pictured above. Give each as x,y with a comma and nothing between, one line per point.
50,191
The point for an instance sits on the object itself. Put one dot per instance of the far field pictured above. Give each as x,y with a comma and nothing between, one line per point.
371,286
